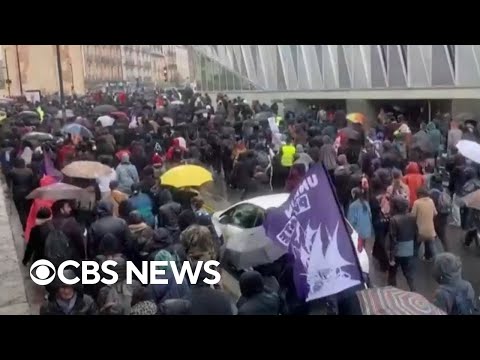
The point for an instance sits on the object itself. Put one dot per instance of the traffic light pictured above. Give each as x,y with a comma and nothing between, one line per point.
165,73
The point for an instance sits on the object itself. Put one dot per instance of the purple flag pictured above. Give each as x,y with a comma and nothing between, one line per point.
310,226
50,169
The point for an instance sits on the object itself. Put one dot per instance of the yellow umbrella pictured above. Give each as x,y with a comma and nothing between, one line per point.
356,118
186,175
3,116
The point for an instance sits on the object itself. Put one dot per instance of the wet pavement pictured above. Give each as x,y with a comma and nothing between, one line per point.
218,197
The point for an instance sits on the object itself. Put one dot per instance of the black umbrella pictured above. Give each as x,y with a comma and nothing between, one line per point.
39,136
264,115
351,133
104,109
52,110
201,111
25,114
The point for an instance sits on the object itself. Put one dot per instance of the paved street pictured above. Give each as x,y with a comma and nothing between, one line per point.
217,197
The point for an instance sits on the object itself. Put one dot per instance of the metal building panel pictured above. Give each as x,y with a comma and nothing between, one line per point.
330,67
395,71
418,68
313,67
289,73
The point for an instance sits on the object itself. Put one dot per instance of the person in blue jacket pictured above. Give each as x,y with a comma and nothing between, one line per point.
143,204
360,215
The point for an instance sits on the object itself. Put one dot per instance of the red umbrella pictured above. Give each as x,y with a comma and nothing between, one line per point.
119,115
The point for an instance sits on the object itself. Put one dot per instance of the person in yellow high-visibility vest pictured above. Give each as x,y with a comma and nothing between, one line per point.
40,113
278,120
287,158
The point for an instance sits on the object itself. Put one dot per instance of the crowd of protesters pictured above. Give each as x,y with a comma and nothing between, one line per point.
389,180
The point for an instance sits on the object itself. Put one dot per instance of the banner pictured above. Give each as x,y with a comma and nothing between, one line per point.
311,227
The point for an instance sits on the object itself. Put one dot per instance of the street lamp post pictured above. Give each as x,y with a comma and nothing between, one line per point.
60,80
8,81
19,71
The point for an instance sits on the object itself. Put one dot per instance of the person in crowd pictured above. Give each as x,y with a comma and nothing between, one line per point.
470,217
302,157
65,221
127,175
21,181
287,156
168,214
424,212
142,233
68,299
295,177
398,187
104,181
328,155
207,300
454,295
402,236
143,204
255,299
35,249
171,290
106,223
360,215
414,180
142,303
454,136
443,205
115,197
341,180
198,207
198,243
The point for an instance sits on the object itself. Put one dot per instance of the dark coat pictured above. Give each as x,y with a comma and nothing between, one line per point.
172,290
73,231
265,303
208,301
108,224
84,305
22,181
35,249
168,215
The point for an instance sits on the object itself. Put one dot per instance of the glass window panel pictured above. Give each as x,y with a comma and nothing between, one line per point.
216,75
223,79
203,67
209,75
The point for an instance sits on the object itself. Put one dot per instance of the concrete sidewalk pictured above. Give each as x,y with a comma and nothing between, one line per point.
13,298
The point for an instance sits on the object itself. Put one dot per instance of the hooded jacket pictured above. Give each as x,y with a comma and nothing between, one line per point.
168,213
142,234
143,204
414,180
255,300
83,304
107,224
127,175
434,136
447,271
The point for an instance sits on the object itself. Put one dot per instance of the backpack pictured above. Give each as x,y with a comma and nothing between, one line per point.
460,303
443,202
57,247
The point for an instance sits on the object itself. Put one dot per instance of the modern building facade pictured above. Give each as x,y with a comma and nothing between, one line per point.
354,73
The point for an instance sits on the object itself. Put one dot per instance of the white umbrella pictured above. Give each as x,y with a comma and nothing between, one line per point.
106,120
177,102
469,149
244,253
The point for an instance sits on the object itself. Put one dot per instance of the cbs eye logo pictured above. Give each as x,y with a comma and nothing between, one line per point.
42,272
